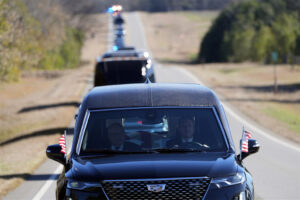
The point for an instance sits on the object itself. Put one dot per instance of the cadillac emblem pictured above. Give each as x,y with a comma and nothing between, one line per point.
156,187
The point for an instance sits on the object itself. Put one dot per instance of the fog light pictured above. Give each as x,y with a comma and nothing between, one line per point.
79,185
241,196
74,184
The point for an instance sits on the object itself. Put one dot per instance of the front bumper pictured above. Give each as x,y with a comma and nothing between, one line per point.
72,194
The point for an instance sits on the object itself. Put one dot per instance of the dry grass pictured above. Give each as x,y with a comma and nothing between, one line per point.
36,110
174,38
249,86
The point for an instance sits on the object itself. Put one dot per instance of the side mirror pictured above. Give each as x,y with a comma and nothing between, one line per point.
53,152
253,147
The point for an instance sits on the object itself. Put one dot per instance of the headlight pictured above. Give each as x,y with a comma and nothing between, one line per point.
239,178
79,185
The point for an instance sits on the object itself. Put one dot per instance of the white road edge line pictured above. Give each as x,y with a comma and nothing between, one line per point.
245,122
48,183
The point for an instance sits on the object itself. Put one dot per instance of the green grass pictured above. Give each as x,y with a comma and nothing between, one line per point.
66,55
228,71
237,70
285,115
204,16
193,57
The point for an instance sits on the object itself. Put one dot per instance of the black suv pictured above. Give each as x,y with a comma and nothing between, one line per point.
152,141
123,67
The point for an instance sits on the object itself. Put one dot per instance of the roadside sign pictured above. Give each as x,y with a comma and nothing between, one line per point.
274,56
274,59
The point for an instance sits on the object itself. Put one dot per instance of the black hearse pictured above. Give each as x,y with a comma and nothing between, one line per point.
124,66
152,141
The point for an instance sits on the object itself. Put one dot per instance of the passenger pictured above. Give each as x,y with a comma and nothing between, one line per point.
116,137
185,135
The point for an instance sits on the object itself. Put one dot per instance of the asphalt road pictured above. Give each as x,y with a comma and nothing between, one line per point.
276,168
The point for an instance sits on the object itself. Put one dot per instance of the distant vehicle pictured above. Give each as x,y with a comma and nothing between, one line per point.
119,41
119,27
118,20
123,67
115,10
153,141
120,33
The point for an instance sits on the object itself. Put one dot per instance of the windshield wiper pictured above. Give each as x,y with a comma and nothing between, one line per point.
109,151
165,150
162,150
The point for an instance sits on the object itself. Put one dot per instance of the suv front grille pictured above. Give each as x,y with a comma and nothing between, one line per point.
181,188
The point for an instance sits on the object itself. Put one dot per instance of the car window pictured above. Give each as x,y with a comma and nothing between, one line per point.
117,72
144,130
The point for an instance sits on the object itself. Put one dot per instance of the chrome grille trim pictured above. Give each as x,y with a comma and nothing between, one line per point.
154,179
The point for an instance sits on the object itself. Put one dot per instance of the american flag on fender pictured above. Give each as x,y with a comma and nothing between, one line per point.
62,143
246,136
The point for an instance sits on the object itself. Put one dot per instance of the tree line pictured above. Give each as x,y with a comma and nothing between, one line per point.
251,30
153,5
40,34
175,5
36,34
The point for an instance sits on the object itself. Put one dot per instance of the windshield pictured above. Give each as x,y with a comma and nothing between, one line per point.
153,130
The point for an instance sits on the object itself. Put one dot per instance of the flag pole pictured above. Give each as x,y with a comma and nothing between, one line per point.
65,134
241,142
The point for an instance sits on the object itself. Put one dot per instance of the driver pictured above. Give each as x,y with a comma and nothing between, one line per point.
185,133
116,137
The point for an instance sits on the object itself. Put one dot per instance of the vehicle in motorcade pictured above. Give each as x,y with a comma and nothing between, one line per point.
119,27
115,10
107,161
118,20
119,42
123,66
120,33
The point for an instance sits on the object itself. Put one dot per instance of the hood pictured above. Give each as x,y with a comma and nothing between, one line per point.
146,166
